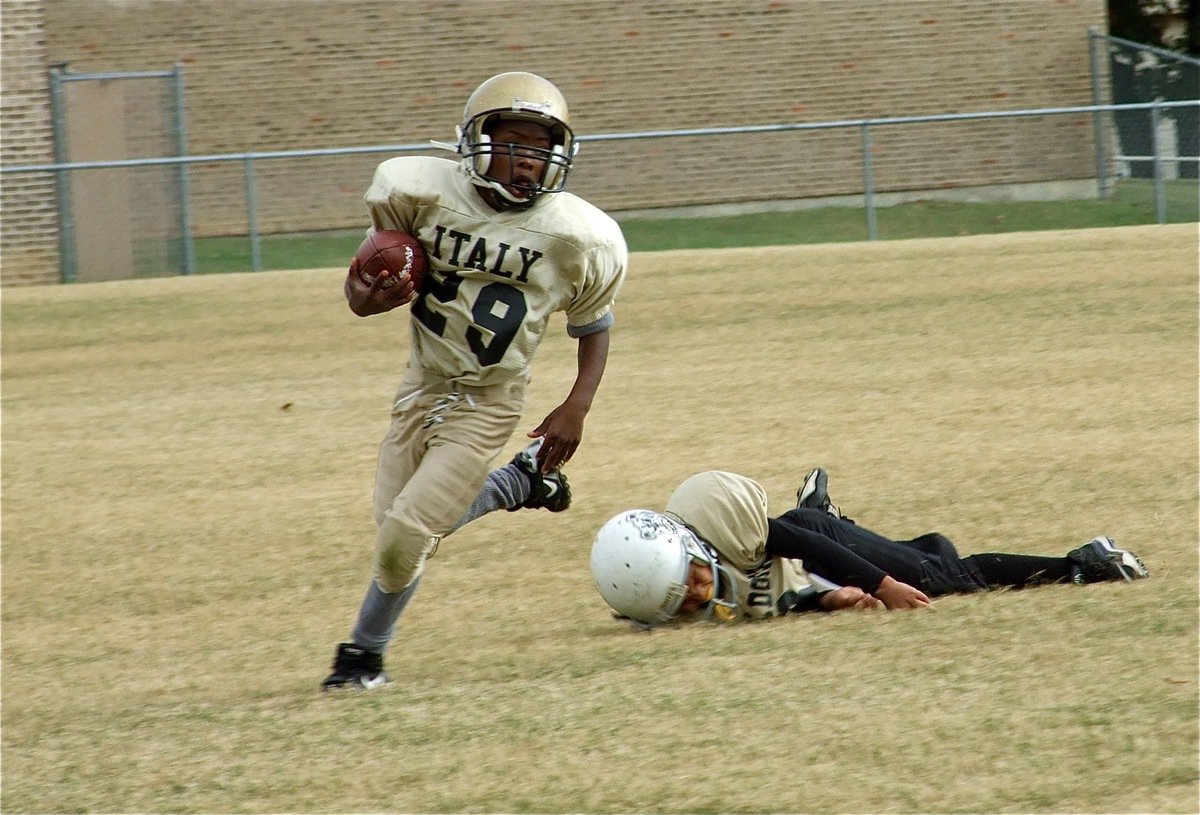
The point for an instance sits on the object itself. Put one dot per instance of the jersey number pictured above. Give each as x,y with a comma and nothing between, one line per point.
499,308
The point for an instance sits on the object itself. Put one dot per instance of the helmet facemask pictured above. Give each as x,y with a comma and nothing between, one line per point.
477,148
722,605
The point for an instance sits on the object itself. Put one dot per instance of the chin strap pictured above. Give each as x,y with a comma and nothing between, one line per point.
721,610
507,198
723,613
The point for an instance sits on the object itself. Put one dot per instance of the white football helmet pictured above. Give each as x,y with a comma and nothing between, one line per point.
640,561
525,97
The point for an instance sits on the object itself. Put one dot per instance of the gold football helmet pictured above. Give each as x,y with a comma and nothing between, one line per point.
524,97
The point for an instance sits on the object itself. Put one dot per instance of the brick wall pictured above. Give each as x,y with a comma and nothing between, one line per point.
28,216
293,74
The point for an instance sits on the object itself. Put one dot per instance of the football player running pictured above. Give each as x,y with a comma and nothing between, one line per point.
507,247
716,554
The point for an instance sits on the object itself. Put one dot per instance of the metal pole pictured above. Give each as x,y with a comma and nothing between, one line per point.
185,196
62,178
868,182
105,75
1097,117
252,216
1160,199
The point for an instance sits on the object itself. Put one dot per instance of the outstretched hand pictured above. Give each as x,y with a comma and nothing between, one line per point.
561,431
376,297
895,594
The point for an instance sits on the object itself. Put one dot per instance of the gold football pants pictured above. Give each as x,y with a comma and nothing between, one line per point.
432,463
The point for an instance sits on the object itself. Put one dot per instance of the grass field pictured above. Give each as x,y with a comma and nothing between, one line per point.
1132,203
186,536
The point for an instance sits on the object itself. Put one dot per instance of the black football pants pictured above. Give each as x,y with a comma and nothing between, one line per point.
849,554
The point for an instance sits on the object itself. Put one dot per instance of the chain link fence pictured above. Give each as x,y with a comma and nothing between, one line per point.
126,184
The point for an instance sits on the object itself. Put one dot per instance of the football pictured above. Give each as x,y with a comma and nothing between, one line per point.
398,252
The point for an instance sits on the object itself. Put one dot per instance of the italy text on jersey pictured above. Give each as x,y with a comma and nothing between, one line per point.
467,251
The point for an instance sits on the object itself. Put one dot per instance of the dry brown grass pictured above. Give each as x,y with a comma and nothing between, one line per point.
187,471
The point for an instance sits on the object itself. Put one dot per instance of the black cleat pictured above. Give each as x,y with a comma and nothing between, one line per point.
548,490
1099,560
814,494
355,668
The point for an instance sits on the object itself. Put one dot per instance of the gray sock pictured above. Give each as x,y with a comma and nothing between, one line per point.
506,487
378,614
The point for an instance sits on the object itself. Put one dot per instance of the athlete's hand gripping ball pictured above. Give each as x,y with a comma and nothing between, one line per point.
394,255
388,270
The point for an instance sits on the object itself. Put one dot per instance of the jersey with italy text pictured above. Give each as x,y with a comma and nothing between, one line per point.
495,277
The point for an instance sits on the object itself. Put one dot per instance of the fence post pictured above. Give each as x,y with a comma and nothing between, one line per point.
1160,199
868,181
1098,116
252,215
185,196
62,178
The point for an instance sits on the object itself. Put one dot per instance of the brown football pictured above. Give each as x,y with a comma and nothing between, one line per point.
398,252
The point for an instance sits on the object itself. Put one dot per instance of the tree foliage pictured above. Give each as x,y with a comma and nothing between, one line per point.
1154,22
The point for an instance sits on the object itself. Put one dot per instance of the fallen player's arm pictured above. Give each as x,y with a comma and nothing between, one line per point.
822,555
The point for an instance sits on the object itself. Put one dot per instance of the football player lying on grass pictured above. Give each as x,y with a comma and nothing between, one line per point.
715,553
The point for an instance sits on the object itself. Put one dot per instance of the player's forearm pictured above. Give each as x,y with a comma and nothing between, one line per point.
592,357
821,555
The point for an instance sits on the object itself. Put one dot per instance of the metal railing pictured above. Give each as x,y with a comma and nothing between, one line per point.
864,126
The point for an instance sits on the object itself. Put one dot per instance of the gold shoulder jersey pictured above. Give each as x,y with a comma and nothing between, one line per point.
729,511
496,277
